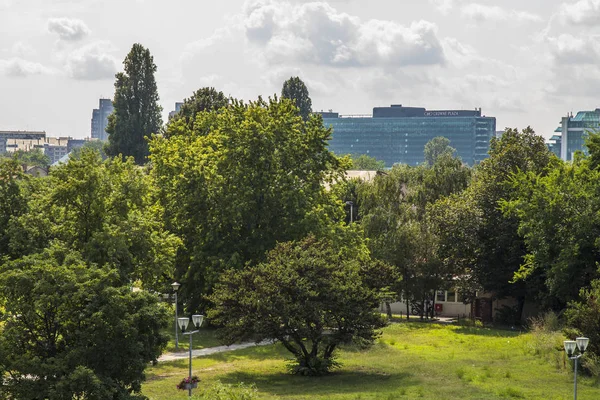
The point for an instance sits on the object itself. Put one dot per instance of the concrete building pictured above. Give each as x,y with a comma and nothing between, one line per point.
5,136
100,119
54,148
573,132
398,134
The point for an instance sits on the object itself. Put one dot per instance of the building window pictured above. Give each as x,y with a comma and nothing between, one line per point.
441,296
451,297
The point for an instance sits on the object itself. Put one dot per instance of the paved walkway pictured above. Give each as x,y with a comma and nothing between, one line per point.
209,350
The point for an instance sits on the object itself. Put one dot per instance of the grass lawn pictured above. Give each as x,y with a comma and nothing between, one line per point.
204,338
410,361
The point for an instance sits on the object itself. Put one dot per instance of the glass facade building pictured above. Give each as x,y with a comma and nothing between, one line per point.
573,132
398,134
100,119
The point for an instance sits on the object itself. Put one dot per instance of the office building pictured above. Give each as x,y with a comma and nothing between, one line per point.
398,134
554,144
100,119
573,132
177,109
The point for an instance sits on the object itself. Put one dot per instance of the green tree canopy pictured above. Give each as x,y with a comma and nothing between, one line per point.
394,215
363,162
105,210
309,295
437,147
137,113
558,221
295,90
35,157
13,199
204,99
496,250
243,179
71,331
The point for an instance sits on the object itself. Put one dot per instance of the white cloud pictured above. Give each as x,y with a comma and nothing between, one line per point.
585,12
567,49
482,13
21,49
316,33
444,6
92,62
17,67
68,29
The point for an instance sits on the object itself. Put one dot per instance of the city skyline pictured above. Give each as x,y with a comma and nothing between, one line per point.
526,63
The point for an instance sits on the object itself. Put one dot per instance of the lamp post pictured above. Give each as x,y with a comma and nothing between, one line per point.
351,204
183,324
580,343
175,287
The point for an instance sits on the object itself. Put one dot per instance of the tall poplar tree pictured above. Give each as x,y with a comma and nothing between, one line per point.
295,90
137,113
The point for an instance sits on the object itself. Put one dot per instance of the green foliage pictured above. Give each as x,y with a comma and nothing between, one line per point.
94,145
220,391
204,99
13,200
295,90
398,219
491,250
364,162
107,211
241,180
436,148
70,330
592,142
310,295
584,316
137,112
558,219
35,157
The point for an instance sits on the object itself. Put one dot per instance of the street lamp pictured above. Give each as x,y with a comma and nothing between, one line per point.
351,204
570,347
175,287
183,324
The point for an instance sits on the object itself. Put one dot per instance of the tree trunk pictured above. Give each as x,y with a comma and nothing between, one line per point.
388,309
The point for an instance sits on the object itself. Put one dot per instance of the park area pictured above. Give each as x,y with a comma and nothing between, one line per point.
409,361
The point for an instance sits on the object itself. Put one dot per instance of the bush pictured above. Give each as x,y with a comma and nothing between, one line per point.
220,391
309,295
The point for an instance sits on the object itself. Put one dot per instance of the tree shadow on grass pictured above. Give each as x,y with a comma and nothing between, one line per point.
470,330
282,384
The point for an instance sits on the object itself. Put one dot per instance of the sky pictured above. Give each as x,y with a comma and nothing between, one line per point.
523,62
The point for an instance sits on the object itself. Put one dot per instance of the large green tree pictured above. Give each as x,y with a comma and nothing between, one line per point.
204,99
241,180
295,90
559,222
137,112
106,210
309,295
13,199
394,214
363,162
71,331
437,147
496,251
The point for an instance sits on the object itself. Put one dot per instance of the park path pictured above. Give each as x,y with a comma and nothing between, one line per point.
210,350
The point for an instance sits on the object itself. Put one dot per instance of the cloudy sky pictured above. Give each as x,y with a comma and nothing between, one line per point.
524,62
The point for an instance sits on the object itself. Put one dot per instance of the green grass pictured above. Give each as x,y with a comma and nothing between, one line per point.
410,361
205,338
